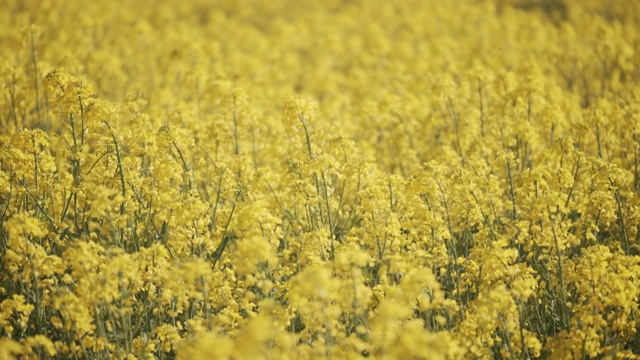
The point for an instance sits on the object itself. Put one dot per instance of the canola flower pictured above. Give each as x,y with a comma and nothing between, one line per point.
320,179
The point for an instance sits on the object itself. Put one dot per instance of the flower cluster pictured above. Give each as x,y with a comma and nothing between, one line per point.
322,179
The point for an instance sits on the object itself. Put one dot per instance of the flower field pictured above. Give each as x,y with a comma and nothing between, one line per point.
335,179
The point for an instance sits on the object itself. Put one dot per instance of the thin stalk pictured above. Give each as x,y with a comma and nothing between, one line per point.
598,141
66,208
275,196
575,178
381,247
82,123
524,353
8,203
96,162
36,85
390,196
217,255
456,124
212,224
121,171
513,193
235,125
254,148
565,312
162,235
185,167
40,312
482,118
306,133
636,173
486,218
452,246
12,95
625,236
35,162
38,205
329,217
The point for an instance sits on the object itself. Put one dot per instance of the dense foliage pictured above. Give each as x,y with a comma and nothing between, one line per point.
320,179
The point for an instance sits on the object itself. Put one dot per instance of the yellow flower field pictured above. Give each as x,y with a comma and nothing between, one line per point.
339,179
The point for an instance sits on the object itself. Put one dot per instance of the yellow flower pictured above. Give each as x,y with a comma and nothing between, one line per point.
9,348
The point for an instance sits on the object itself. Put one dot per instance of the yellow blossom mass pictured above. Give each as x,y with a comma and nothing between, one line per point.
281,179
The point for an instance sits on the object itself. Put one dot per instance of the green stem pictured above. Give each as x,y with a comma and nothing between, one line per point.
306,133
